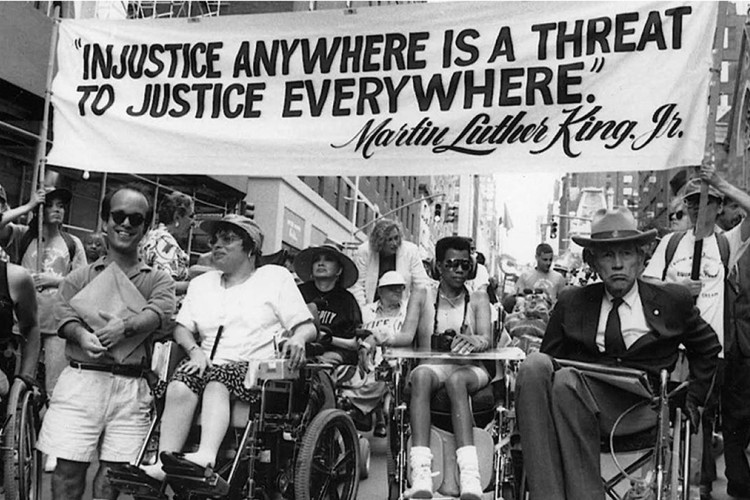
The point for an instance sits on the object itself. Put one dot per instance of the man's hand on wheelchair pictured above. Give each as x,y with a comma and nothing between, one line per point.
33,385
693,413
465,344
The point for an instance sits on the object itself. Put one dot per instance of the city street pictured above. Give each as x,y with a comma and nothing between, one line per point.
375,486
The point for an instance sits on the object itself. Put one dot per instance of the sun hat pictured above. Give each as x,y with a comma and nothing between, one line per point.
614,226
391,278
693,187
303,263
243,224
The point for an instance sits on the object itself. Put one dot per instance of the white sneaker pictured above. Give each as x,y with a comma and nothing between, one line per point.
471,487
421,483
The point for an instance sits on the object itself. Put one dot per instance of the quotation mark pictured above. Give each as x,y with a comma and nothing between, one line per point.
596,68
77,43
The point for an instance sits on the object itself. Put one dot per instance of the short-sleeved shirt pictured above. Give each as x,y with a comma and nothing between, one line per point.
339,311
711,298
551,282
156,286
159,249
383,326
56,261
253,315
10,249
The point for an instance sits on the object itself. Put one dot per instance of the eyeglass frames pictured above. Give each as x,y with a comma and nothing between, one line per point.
135,219
464,264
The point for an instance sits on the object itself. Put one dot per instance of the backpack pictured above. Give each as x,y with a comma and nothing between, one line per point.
28,237
675,239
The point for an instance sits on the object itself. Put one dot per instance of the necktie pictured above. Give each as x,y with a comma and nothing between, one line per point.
613,341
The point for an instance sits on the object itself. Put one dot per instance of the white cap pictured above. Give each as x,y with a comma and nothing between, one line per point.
391,278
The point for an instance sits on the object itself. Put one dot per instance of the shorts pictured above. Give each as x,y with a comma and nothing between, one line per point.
442,372
231,375
94,411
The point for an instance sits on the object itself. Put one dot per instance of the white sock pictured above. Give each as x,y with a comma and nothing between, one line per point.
420,455
467,458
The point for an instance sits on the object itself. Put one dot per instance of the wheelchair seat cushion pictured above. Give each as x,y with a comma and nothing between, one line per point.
483,400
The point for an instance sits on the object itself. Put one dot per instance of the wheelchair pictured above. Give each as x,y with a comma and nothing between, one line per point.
289,442
659,468
494,428
22,462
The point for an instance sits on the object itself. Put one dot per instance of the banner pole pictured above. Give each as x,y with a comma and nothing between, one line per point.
41,150
704,227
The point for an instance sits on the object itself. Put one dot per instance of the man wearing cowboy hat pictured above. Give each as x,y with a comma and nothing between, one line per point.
623,322
326,274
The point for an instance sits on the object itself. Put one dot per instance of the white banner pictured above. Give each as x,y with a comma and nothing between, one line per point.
485,87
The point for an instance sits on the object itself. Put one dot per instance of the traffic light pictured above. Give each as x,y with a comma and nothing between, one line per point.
250,210
452,215
438,212
553,230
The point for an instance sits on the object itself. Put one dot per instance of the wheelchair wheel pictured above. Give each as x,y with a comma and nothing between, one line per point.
328,461
21,460
364,458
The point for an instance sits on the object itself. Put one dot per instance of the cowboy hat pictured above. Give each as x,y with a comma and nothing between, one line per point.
303,263
614,226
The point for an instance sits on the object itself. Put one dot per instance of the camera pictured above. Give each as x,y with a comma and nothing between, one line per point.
442,341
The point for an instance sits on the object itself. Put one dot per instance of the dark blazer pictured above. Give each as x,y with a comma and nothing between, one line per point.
669,311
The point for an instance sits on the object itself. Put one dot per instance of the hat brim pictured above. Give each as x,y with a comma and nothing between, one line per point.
638,238
63,194
211,226
304,260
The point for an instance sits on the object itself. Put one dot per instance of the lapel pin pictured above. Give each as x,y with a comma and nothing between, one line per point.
656,312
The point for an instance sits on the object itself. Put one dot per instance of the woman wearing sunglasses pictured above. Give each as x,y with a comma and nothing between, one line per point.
447,318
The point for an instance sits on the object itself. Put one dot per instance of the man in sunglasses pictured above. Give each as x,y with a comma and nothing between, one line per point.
101,404
672,262
623,322
447,318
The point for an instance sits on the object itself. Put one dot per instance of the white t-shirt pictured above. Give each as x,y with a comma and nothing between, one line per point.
383,327
711,298
253,314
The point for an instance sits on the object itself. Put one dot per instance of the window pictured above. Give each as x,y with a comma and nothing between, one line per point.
348,212
336,193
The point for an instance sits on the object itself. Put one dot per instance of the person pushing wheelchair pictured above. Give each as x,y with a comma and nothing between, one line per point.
622,321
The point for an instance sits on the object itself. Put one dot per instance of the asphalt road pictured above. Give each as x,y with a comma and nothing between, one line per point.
375,486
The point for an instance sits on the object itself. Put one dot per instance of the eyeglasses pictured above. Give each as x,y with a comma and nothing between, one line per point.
135,219
464,264
225,237
676,215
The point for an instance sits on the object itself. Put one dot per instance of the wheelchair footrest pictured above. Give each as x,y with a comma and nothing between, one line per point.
209,487
138,484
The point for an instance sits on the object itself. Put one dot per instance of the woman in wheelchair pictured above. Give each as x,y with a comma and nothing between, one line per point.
327,273
447,318
237,312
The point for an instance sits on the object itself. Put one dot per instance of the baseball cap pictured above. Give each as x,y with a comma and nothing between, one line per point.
693,187
391,278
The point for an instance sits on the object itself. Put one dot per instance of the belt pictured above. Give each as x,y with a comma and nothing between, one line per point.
123,370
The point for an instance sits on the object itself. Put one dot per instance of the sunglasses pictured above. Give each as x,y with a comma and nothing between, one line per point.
464,264
225,237
135,219
676,215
